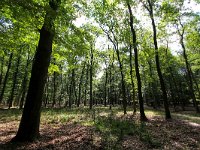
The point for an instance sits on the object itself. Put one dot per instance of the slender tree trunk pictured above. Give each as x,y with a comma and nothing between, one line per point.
74,87
1,74
91,78
189,73
86,82
175,86
116,48
132,82
142,114
80,85
6,77
105,89
111,88
61,87
54,88
122,81
153,87
46,92
30,121
70,94
112,80
10,101
162,83
195,82
24,83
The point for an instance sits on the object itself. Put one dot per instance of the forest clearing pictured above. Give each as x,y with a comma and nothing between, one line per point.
99,74
105,129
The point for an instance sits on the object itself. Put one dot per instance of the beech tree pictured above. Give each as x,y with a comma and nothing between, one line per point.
30,121
142,114
149,5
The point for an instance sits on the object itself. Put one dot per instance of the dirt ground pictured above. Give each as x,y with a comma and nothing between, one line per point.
175,134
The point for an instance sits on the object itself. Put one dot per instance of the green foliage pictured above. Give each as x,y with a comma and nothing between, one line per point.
21,21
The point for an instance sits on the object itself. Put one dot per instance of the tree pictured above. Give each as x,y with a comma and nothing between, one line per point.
188,68
10,100
142,114
6,76
30,121
149,7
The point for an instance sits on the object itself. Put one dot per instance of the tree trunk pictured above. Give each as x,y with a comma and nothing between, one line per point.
111,88
61,88
1,74
54,88
115,44
24,83
70,95
30,121
6,77
80,85
122,82
105,88
74,87
86,82
46,99
10,101
153,86
142,114
132,83
91,77
195,82
189,73
162,83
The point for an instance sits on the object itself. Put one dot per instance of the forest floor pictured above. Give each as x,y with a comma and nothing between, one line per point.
101,128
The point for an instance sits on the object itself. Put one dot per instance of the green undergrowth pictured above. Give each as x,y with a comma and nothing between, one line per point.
113,130
194,117
7,115
111,125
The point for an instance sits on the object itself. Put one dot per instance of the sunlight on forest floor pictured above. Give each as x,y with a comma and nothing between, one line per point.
102,128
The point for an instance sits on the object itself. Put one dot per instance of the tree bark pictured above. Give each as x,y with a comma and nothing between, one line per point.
122,82
70,94
30,121
116,48
1,74
10,100
86,82
141,101
132,83
91,77
6,77
74,87
162,83
80,85
54,86
189,73
153,86
61,88
105,88
23,89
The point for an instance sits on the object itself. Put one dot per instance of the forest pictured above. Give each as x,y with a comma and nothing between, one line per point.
99,74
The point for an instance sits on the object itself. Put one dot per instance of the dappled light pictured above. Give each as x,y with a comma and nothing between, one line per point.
110,129
99,74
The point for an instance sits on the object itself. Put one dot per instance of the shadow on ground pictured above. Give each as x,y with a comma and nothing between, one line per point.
108,131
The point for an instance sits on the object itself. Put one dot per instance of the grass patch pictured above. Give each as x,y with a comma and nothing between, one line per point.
111,127
195,118
7,115
113,130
